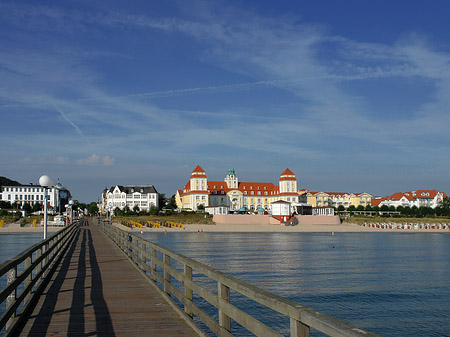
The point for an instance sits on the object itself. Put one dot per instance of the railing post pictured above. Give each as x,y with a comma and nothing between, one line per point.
224,293
166,260
29,278
11,299
153,264
187,290
298,329
143,251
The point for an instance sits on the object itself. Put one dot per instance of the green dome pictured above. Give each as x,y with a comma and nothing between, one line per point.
230,172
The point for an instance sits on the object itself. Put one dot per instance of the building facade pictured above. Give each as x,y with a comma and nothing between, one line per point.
119,196
234,194
419,198
335,199
18,196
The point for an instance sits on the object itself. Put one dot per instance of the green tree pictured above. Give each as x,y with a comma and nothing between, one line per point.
368,208
36,207
171,203
136,209
126,210
27,208
154,210
5,204
201,207
162,200
118,211
93,208
360,208
384,208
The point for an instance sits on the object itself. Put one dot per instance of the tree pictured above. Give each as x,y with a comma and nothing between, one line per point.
93,208
360,208
154,210
368,208
118,211
136,209
27,208
341,208
126,210
36,207
5,204
201,207
171,203
162,200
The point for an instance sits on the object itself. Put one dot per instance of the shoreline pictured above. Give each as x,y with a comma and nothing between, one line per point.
222,228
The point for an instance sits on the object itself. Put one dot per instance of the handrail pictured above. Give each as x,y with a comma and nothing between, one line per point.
144,254
26,283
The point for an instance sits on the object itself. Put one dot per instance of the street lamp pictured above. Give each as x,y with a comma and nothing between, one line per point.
45,182
71,210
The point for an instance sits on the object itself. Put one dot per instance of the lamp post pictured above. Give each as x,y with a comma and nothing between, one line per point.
45,182
71,210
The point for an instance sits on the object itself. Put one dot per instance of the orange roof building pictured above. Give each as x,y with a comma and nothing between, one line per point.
235,194
418,198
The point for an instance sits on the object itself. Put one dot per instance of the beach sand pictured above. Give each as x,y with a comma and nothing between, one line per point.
28,228
346,228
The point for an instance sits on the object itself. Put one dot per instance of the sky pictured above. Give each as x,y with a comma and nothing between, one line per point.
352,96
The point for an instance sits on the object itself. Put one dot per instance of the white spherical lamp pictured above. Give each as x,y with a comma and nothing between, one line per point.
45,181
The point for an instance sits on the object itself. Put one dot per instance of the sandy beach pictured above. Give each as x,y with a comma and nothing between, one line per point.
348,228
28,228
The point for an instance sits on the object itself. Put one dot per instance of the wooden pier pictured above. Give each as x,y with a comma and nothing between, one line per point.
96,291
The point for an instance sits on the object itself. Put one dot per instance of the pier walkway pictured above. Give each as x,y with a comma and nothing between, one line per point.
96,291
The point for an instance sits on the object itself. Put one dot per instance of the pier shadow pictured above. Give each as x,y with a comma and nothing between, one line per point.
76,320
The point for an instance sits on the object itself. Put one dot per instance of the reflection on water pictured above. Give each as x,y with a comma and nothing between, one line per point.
392,284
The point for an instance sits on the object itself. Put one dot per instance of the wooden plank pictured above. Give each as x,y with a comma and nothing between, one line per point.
97,291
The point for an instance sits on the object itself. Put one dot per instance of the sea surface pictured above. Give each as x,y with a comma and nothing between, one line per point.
11,245
392,284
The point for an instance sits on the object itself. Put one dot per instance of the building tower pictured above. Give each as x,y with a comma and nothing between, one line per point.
288,182
231,179
199,181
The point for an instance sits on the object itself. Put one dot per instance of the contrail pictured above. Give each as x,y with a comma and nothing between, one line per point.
77,129
243,86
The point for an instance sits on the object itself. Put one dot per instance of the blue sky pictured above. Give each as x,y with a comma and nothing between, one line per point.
352,96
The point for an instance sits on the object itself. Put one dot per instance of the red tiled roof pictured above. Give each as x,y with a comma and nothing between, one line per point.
287,172
198,169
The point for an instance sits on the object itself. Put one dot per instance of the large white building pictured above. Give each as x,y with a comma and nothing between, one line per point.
32,194
120,196
234,194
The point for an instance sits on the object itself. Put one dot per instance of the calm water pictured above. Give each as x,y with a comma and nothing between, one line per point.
388,283
391,284
10,246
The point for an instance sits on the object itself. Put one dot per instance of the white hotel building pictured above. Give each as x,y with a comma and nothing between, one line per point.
120,196
32,194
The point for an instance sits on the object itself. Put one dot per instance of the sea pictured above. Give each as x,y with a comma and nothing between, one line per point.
392,284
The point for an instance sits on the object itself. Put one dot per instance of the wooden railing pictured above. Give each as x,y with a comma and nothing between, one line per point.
27,275
161,271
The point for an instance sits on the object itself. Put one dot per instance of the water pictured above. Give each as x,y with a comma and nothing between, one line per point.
10,246
392,284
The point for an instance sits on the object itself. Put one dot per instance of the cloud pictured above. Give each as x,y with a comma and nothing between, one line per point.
94,159
108,161
62,160
91,160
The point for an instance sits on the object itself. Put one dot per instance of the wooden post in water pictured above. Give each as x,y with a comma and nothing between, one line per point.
11,299
224,293
187,290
